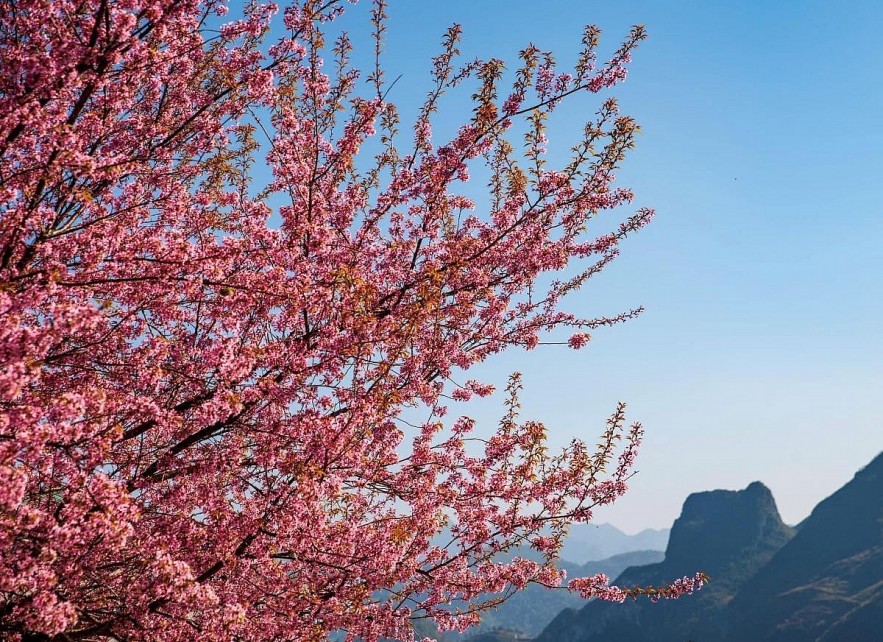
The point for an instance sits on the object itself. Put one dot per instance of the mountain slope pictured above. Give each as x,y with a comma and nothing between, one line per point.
826,584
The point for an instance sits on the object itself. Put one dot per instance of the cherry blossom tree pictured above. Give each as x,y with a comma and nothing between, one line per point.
209,380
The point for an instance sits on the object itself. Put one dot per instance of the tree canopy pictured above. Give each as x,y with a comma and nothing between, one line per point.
208,380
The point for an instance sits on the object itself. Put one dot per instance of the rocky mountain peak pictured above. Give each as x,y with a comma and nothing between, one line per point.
717,527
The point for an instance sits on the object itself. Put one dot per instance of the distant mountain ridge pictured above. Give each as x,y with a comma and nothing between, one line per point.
593,542
526,613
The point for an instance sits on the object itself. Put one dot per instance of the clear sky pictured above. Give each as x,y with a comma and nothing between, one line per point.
759,356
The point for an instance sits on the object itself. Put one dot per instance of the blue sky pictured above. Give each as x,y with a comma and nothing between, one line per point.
759,355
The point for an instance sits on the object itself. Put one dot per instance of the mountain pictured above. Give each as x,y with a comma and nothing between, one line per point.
826,584
727,534
591,542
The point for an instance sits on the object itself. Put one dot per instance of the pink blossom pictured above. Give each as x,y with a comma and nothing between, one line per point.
578,340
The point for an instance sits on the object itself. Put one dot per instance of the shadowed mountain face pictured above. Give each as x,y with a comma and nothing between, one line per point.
727,534
719,528
826,585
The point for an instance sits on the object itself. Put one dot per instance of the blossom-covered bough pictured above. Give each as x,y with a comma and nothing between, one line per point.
208,382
